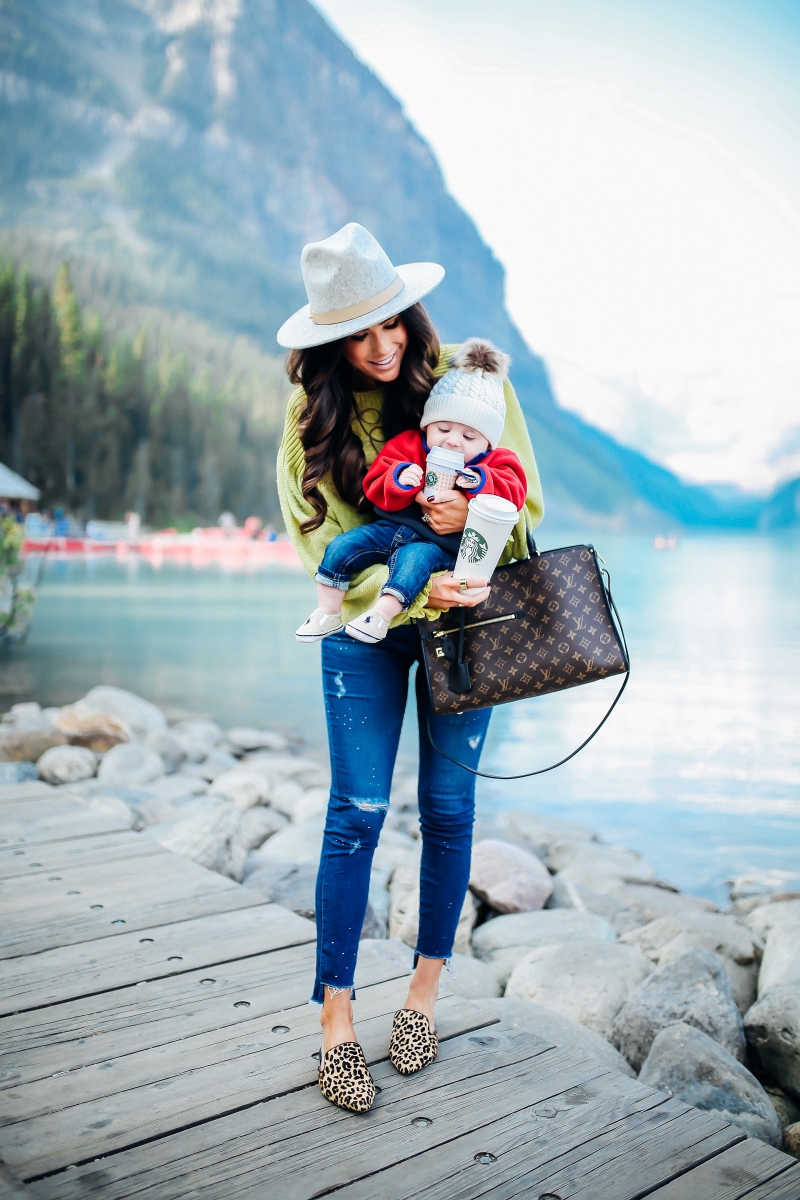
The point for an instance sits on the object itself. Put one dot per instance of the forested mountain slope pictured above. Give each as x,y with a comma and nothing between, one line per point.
196,145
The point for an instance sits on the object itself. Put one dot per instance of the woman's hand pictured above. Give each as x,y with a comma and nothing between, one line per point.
446,592
448,514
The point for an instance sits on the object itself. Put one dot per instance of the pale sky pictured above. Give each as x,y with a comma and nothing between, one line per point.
634,165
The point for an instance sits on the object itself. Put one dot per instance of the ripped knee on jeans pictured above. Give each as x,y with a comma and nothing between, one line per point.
369,803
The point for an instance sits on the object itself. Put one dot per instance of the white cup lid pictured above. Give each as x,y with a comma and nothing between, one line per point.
494,508
439,457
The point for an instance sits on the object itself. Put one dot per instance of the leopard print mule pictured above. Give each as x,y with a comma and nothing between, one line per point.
344,1077
413,1044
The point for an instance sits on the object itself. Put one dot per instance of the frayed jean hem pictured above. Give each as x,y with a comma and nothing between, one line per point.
318,994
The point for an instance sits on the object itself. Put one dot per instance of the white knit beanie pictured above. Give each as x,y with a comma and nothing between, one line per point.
472,391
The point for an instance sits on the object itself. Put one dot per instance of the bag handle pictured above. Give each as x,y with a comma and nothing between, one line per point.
595,731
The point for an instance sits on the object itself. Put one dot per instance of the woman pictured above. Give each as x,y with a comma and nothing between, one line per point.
364,357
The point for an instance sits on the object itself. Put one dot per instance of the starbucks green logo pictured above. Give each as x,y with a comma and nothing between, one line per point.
474,546
431,479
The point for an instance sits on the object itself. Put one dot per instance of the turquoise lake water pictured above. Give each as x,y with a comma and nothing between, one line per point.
698,768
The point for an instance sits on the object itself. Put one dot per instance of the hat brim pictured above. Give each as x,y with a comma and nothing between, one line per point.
300,332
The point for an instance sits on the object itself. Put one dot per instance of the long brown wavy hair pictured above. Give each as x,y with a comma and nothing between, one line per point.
331,446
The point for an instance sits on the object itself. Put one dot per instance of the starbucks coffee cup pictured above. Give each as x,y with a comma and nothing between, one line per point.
441,471
490,520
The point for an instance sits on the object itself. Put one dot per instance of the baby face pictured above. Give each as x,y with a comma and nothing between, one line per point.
450,435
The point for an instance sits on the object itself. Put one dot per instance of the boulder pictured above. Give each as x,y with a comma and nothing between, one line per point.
284,796
137,714
470,978
312,803
17,772
245,738
194,749
374,926
772,1027
404,908
542,832
598,867
791,1140
243,788
788,1110
96,731
278,767
289,884
27,741
526,931
781,962
66,764
257,825
764,918
177,786
113,803
566,894
389,950
130,764
215,763
694,989
738,947
296,843
693,1067
510,880
651,902
560,1030
198,729
586,981
206,831
168,748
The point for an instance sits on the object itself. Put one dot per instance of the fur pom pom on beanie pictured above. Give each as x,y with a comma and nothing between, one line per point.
472,390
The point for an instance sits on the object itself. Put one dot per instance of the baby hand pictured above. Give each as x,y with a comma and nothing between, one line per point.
469,480
410,476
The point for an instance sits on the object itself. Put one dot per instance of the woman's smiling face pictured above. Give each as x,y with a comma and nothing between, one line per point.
378,352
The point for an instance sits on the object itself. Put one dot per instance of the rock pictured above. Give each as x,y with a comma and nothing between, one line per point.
243,788
764,919
131,764
566,894
245,739
404,908
586,981
694,989
390,950
113,805
788,1110
649,903
738,947
291,885
791,1140
28,711
694,1068
193,748
257,825
27,742
206,831
781,962
542,832
374,926
198,729
95,731
17,772
168,748
278,767
527,931
470,978
560,1030
139,715
509,879
215,763
66,764
297,843
285,796
598,867
772,1027
312,803
177,786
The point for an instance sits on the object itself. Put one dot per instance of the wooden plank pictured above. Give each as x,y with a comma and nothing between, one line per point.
728,1176
201,1077
110,901
54,820
58,975
11,1187
31,789
98,1029
785,1187
48,857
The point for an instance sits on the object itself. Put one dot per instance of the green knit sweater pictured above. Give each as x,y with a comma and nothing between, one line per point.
366,585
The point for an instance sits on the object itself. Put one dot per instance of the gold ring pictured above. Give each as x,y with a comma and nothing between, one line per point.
462,585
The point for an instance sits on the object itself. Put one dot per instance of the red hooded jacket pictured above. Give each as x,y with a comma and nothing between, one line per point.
500,472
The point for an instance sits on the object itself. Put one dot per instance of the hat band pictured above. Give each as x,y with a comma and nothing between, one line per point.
359,310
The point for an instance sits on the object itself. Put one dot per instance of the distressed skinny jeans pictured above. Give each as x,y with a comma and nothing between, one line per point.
366,688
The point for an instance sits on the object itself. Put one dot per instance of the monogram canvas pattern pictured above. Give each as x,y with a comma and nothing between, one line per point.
546,626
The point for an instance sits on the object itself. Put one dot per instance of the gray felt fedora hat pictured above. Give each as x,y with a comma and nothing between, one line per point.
351,284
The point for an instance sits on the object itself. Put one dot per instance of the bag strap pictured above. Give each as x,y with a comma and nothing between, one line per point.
595,731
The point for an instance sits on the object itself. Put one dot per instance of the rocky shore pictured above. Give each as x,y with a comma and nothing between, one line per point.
560,933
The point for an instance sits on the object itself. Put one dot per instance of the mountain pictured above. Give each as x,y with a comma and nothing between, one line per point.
194,146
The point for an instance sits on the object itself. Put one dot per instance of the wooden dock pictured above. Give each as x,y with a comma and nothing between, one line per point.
156,1042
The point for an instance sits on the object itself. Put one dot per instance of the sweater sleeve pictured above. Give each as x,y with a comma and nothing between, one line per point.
516,437
501,474
366,585
381,482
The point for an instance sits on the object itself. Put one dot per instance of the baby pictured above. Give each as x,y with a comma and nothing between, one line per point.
465,412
